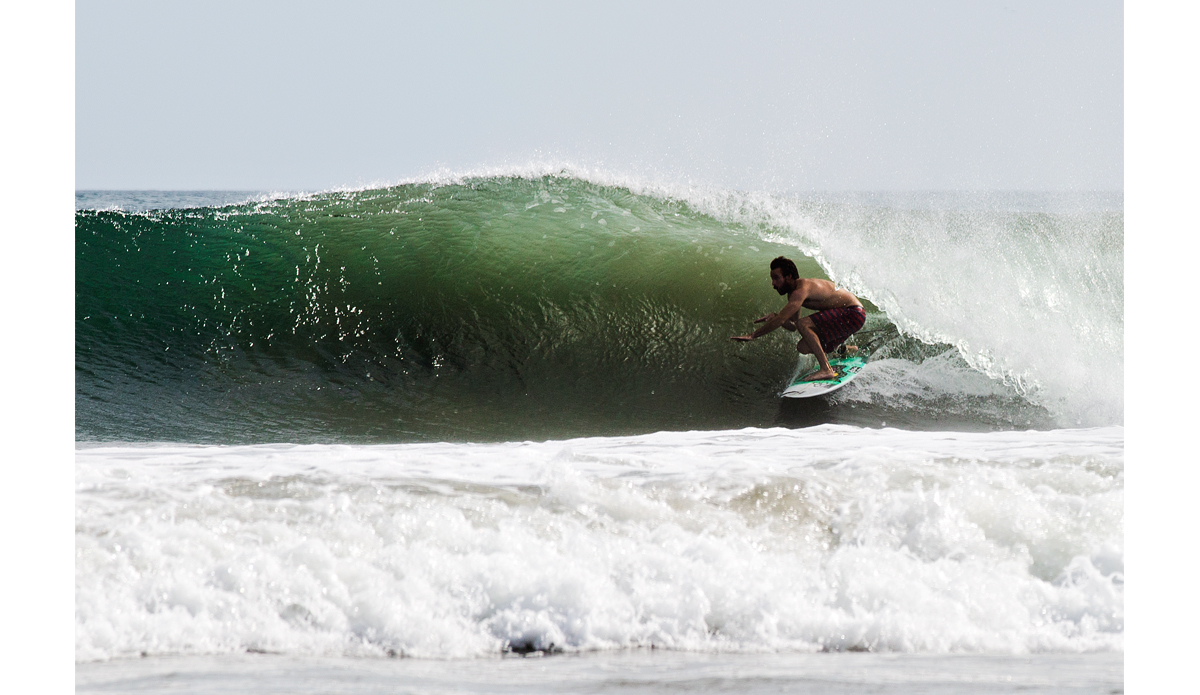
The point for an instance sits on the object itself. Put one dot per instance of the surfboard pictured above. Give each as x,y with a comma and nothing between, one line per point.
846,367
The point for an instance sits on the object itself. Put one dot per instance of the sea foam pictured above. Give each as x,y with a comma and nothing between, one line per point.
830,538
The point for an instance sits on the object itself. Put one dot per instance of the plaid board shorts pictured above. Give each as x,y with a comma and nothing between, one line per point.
833,326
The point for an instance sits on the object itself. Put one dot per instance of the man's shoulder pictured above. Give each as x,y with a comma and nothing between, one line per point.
816,285
807,285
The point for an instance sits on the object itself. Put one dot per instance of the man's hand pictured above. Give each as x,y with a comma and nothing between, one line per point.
748,338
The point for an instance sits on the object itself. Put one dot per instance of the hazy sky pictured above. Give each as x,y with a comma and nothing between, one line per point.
772,95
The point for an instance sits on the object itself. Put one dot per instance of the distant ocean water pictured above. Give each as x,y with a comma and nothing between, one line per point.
470,416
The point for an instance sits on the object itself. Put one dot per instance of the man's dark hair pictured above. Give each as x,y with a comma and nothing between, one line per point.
786,266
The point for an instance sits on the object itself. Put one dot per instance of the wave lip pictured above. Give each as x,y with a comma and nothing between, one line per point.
831,538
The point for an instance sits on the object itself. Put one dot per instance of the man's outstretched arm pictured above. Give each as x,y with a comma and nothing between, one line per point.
773,321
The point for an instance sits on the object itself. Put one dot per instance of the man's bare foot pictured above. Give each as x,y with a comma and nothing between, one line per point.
821,375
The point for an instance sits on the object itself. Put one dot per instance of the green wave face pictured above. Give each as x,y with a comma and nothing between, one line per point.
497,308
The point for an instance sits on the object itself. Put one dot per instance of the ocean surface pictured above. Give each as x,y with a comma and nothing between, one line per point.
488,433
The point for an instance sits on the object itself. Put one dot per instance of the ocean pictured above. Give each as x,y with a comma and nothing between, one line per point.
488,433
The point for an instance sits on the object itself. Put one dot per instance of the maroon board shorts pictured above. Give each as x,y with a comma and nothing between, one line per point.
833,326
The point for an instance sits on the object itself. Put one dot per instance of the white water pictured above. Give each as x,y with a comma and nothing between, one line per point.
754,540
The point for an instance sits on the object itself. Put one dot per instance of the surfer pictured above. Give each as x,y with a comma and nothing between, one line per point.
838,315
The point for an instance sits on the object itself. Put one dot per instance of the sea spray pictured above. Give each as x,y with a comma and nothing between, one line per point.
1033,299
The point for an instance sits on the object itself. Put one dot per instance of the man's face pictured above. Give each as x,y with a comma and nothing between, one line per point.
782,285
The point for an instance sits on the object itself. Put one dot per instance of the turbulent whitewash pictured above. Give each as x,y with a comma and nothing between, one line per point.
832,538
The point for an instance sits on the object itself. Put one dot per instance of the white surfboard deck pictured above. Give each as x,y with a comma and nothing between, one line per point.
846,367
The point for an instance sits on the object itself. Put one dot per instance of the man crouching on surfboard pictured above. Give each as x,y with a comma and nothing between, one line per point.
839,314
